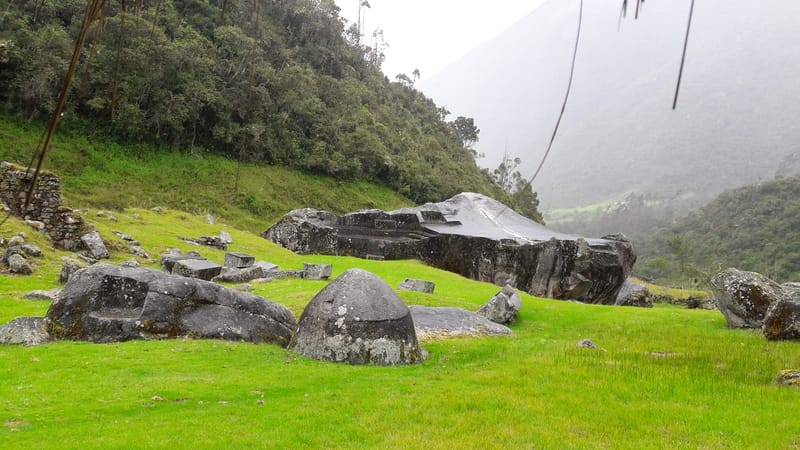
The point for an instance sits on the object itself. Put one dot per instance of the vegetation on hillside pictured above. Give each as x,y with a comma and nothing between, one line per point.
277,82
754,228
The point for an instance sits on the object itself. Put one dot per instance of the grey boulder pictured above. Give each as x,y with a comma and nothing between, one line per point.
238,260
426,287
503,307
633,294
358,319
313,271
443,322
19,265
202,269
260,270
105,303
95,246
744,297
782,321
24,331
69,267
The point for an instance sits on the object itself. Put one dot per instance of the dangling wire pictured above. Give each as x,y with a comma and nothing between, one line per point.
93,12
563,106
683,56
566,95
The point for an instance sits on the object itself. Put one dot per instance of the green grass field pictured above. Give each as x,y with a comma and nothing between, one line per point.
663,378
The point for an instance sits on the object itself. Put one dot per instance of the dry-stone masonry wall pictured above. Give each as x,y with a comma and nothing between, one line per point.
64,226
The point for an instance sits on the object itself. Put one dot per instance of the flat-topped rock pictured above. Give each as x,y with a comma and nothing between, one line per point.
24,331
443,322
474,236
105,303
238,260
202,269
426,287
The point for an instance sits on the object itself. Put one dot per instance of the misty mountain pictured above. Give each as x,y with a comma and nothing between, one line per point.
737,116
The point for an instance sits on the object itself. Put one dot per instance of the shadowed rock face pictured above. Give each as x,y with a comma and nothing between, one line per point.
105,303
472,235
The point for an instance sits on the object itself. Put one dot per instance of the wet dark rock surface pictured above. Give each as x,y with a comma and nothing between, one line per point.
472,235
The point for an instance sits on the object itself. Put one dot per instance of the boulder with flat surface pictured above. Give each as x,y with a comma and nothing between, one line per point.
24,331
474,236
105,303
445,321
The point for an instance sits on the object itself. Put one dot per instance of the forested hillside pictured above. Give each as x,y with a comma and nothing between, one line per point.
266,81
753,228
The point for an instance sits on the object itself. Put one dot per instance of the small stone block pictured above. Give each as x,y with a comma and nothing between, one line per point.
423,286
239,260
94,244
197,268
317,271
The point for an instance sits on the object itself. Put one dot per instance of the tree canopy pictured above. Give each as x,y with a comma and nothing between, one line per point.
279,82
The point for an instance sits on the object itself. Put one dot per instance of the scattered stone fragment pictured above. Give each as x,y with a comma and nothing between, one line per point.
24,331
35,224
239,260
123,236
317,271
101,214
789,378
586,343
207,241
16,241
243,287
113,218
261,270
157,210
140,252
633,294
444,322
503,307
19,265
358,319
136,216
69,267
744,297
423,286
202,269
174,255
31,250
210,219
130,263
94,244
49,294
225,237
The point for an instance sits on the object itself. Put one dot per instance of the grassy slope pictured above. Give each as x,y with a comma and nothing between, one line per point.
666,377
103,174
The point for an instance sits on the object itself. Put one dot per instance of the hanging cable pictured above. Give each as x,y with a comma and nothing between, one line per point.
683,56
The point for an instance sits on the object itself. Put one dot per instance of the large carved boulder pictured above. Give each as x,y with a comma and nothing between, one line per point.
744,297
358,319
474,236
105,303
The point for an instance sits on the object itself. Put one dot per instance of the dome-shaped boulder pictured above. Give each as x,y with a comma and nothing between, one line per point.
358,319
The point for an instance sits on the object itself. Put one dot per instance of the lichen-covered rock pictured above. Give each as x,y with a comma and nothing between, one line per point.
69,267
474,236
93,243
633,294
744,297
446,322
426,287
782,320
24,331
789,378
317,271
503,307
105,303
19,265
358,319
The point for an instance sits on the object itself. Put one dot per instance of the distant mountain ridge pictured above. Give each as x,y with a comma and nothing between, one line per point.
736,118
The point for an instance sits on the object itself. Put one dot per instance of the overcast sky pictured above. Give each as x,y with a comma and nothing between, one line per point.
429,34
